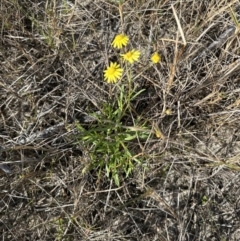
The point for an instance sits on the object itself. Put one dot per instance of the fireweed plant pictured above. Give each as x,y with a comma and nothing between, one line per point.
112,145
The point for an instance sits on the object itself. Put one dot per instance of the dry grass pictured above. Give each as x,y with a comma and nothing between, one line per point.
52,57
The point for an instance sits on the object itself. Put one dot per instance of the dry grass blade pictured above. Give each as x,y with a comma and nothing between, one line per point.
179,25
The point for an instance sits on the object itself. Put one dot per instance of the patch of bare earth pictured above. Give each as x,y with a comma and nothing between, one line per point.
52,57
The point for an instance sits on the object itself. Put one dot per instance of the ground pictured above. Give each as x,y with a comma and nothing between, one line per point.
184,184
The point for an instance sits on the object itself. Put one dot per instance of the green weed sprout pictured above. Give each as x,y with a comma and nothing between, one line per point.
110,141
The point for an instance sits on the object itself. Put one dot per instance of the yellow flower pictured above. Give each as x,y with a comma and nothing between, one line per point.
168,111
120,40
113,73
155,58
131,56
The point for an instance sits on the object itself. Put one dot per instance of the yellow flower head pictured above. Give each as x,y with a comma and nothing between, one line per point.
155,58
120,40
131,56
168,111
113,73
